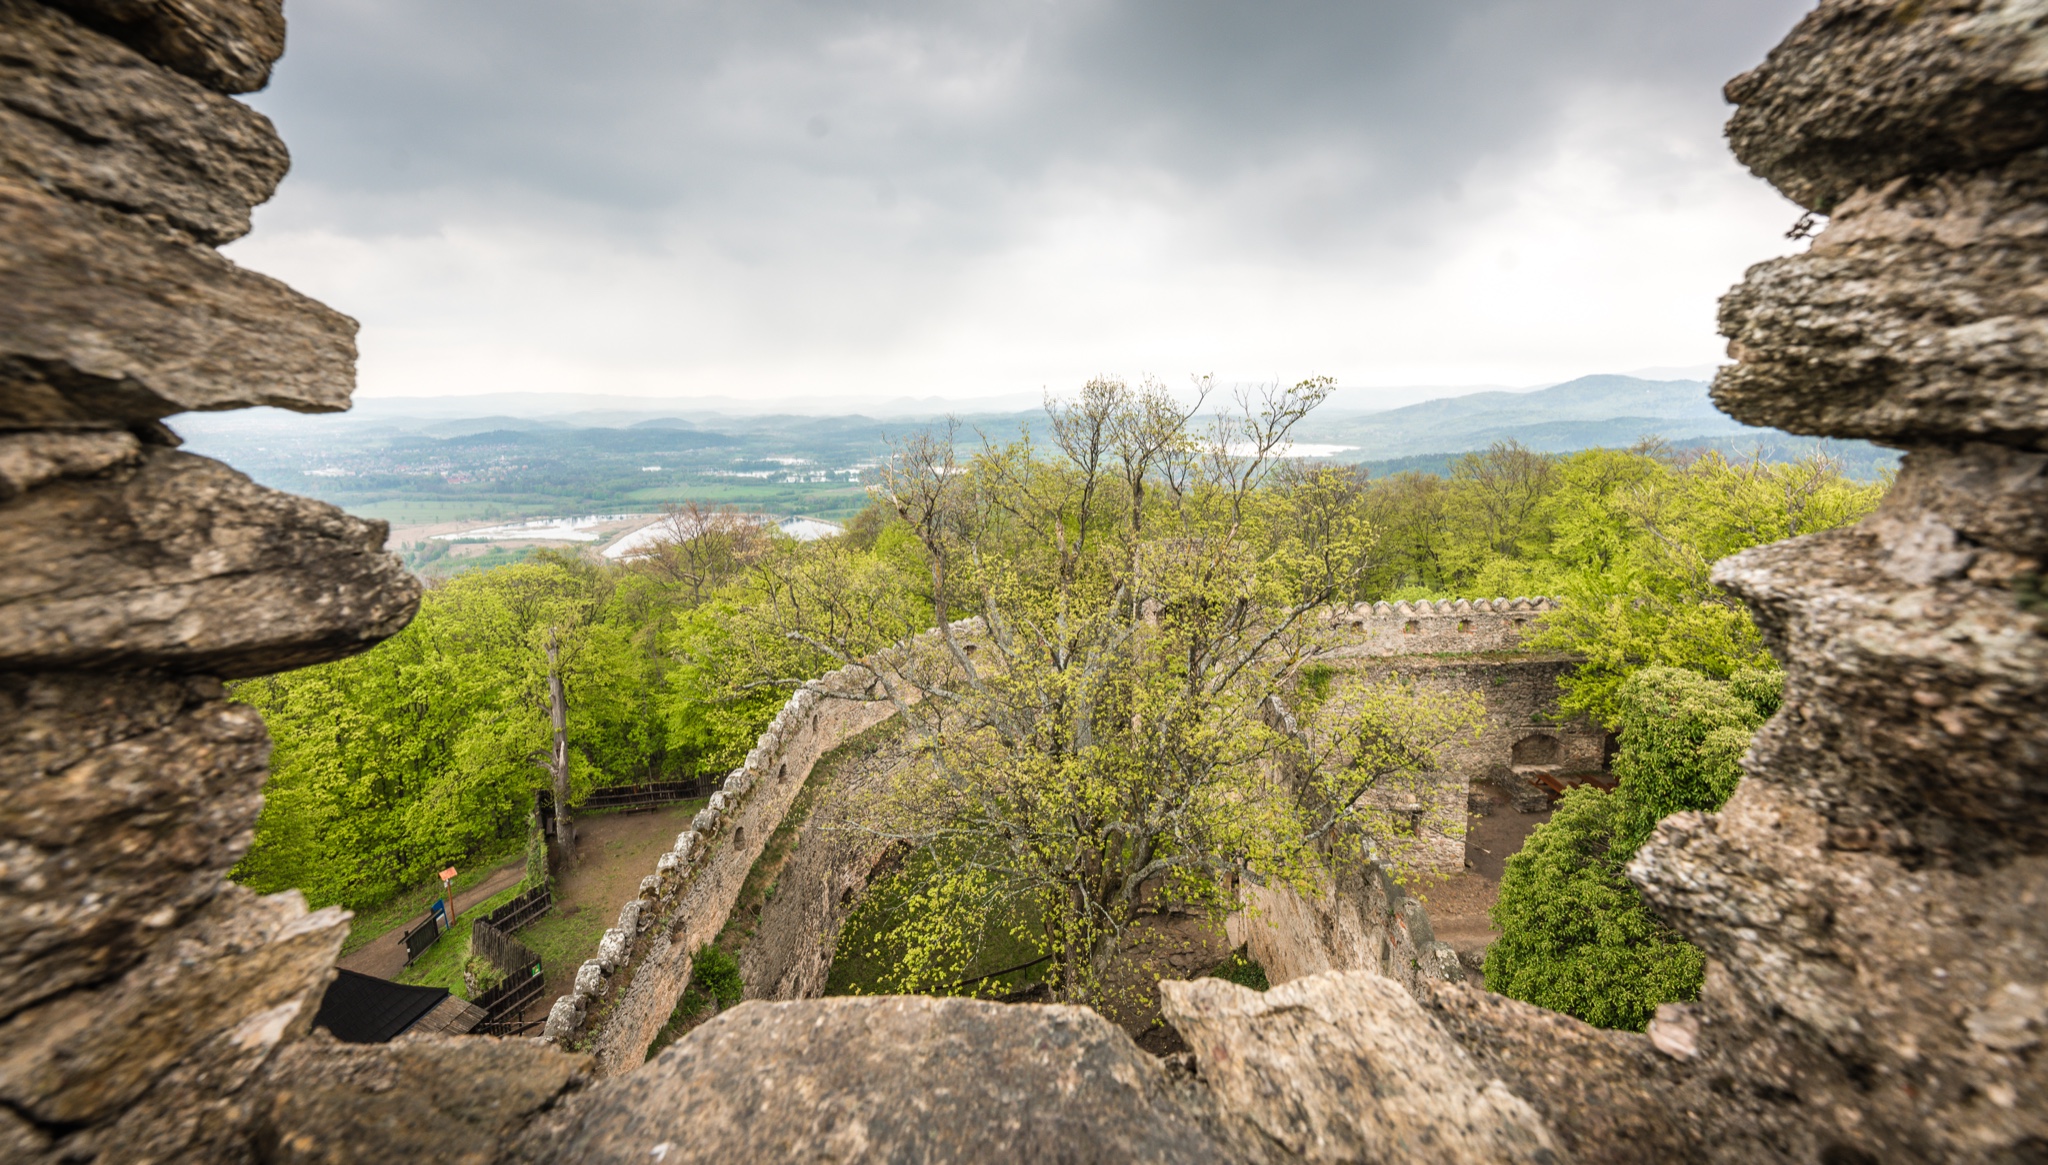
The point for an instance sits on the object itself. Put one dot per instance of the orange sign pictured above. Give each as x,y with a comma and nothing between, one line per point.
448,875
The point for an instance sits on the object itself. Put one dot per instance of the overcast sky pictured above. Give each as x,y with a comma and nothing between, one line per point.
766,200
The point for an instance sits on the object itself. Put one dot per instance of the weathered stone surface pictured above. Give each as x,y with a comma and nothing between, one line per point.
1916,317
1858,1005
124,799
88,117
22,1142
563,1018
1863,91
104,318
1605,1094
227,45
219,993
1988,503
27,460
1361,921
181,562
1915,717
1346,1066
419,1098
901,1078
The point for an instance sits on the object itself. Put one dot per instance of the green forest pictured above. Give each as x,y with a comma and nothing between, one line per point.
1147,578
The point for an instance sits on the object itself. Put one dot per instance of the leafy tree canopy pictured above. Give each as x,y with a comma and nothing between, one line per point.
1575,933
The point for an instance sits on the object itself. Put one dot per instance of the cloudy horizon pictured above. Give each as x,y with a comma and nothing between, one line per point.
784,200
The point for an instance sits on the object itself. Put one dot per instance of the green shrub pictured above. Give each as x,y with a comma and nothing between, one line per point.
1682,735
1241,970
1576,936
715,973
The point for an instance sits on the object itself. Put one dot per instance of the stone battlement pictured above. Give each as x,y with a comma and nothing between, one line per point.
1437,626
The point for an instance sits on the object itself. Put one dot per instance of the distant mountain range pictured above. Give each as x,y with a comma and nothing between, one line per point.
1590,412
512,461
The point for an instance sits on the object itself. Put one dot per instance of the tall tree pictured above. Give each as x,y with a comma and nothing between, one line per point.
1095,736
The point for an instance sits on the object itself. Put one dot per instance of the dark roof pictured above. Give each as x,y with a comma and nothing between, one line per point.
363,1009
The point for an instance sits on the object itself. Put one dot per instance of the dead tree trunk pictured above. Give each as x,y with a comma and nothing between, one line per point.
558,760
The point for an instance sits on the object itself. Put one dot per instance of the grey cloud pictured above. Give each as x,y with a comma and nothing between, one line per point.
939,127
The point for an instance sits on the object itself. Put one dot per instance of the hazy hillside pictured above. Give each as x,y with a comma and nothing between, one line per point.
1580,414
415,462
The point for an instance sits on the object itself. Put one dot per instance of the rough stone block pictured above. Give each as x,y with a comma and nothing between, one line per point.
705,822
688,843
1915,716
1605,1094
651,884
95,121
228,45
27,460
719,803
1863,91
894,1079
434,1098
611,951
1915,318
181,562
629,914
563,1019
1857,985
124,799
1346,1066
590,978
106,319
1992,496
224,990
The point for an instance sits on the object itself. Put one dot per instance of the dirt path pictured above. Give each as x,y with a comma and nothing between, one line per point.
1458,905
384,956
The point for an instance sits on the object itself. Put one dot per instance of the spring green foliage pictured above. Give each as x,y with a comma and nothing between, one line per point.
716,974
1241,970
1575,934
1143,590
1623,539
424,751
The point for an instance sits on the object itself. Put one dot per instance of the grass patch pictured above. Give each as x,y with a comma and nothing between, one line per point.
567,942
372,922
441,965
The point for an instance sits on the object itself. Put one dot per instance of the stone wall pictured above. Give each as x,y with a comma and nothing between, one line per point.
643,964
1455,645
826,872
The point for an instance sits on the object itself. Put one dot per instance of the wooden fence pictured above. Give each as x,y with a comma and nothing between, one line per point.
521,911
506,953
504,1004
631,797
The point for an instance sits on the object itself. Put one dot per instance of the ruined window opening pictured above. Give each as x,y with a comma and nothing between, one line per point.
1410,627
1539,749
781,771
739,836
1464,626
